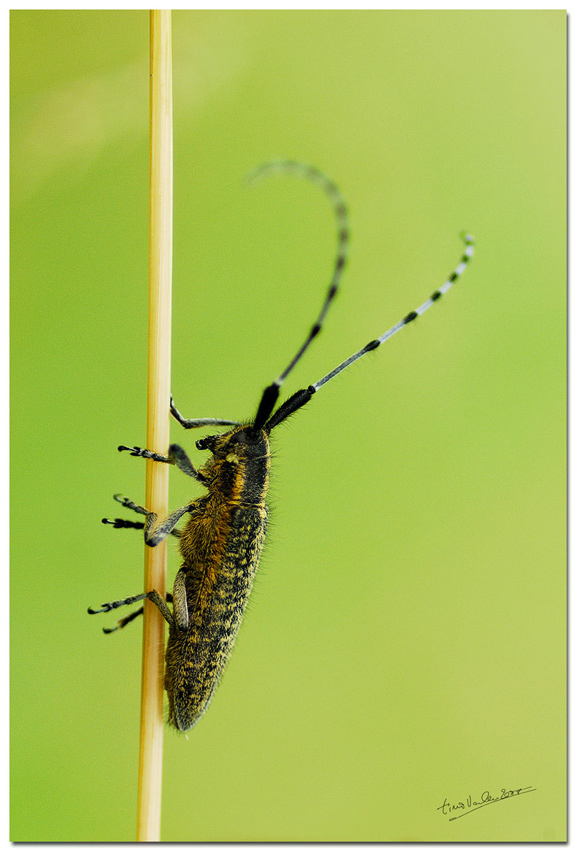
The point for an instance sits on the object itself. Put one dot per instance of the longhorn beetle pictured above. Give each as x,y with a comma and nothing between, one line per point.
223,538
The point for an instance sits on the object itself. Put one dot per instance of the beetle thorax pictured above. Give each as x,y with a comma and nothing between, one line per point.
239,466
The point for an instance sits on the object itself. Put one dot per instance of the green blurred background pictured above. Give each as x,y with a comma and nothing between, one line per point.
404,644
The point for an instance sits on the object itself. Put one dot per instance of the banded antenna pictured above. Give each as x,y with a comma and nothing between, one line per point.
301,397
271,393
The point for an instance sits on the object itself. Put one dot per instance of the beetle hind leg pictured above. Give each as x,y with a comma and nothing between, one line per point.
124,621
153,596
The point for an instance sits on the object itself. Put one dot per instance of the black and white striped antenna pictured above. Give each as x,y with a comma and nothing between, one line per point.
271,393
301,397
435,296
264,417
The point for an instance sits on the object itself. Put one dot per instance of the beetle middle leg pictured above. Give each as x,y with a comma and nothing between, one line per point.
155,532
127,523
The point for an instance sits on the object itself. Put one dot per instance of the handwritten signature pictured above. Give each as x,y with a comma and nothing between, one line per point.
465,807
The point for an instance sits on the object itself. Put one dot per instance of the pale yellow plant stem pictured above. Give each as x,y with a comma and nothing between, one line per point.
159,347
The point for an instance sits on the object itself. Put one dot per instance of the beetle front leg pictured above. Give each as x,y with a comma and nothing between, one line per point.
197,423
176,455
136,451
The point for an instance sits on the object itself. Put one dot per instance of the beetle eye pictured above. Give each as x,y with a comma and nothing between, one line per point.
205,443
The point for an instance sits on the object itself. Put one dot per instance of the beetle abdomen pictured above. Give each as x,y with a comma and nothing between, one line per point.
218,591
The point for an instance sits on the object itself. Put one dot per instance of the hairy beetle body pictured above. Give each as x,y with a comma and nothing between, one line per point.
220,546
